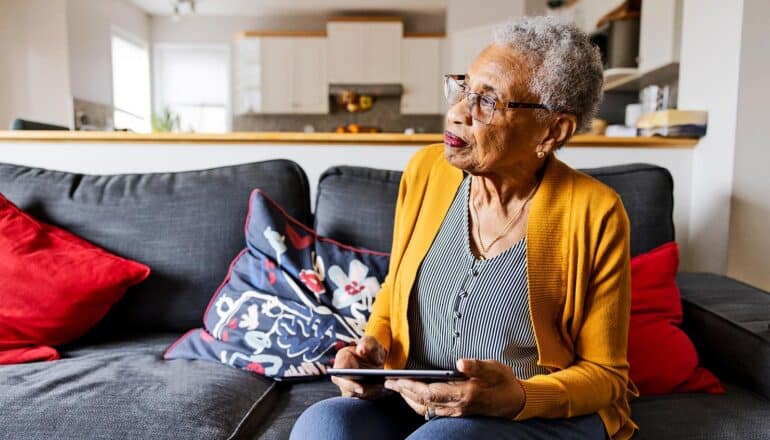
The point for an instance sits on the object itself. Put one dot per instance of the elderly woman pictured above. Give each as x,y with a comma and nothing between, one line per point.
506,264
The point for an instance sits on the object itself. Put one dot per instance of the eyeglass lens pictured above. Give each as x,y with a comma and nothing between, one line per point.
480,109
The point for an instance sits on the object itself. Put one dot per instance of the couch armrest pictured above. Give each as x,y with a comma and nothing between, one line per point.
728,321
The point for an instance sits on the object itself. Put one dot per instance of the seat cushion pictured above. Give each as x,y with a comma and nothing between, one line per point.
123,389
739,414
187,226
356,204
289,403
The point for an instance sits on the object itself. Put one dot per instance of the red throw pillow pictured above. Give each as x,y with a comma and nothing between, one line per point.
661,356
54,286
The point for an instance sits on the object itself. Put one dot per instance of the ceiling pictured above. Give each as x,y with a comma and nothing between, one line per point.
271,7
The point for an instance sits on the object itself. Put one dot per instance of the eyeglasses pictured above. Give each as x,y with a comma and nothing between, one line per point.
481,107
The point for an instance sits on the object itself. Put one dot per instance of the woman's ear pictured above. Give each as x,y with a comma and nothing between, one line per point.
562,128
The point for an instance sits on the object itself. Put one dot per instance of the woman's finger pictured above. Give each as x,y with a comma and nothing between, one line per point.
438,411
488,370
368,348
348,386
372,392
447,394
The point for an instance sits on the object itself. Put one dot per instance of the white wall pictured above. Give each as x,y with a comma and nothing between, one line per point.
213,29
463,14
749,242
34,74
708,80
90,26
470,28
221,29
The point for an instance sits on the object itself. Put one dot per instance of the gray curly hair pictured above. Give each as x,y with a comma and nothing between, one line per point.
567,67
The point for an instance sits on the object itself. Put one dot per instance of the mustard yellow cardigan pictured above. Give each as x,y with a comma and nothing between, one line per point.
579,286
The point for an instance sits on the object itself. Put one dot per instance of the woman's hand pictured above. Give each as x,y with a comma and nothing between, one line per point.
491,390
367,353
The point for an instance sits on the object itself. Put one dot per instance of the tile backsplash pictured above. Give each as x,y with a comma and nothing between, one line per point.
385,114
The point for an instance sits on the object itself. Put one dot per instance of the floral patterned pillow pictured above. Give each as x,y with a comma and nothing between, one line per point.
290,300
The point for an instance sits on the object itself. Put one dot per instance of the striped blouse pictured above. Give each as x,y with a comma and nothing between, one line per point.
463,307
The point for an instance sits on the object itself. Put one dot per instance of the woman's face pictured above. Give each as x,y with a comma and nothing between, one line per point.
511,138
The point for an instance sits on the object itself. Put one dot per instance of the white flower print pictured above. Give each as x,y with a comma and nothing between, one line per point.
354,286
276,241
250,319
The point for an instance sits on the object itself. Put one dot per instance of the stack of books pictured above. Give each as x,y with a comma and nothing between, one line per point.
673,123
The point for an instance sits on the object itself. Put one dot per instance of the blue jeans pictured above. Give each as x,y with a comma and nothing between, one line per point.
391,418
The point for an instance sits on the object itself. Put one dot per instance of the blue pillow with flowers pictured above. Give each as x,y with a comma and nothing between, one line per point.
290,300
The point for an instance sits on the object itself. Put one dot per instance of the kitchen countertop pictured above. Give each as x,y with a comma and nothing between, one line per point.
310,138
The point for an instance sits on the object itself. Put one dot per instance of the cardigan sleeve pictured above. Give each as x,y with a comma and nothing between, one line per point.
599,375
378,325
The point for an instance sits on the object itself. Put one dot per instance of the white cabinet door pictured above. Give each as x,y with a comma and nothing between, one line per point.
246,76
364,53
310,91
382,52
277,74
660,33
421,76
345,62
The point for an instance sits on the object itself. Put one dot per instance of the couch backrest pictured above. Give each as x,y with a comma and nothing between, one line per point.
187,226
355,204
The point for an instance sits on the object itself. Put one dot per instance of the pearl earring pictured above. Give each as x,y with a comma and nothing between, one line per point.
540,154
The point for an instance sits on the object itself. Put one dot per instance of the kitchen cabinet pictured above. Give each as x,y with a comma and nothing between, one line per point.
660,34
421,76
364,52
280,74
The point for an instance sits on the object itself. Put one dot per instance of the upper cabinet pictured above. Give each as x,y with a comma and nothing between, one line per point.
421,76
364,52
280,74
660,34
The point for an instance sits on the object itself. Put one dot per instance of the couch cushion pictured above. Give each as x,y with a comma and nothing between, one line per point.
729,322
356,204
123,389
187,226
647,192
289,403
739,414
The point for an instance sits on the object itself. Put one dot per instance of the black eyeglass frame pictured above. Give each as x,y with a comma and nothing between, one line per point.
498,105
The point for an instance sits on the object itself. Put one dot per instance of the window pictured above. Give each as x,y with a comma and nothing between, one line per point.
191,81
130,83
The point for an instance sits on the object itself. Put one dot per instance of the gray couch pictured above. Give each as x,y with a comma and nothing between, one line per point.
187,226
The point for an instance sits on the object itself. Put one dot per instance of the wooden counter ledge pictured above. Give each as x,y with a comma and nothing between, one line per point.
309,138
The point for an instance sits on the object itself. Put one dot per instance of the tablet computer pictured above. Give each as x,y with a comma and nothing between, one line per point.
379,375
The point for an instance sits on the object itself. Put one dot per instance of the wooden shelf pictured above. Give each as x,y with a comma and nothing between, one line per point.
631,80
247,34
308,138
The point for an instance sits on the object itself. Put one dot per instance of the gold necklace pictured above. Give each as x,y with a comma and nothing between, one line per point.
485,249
